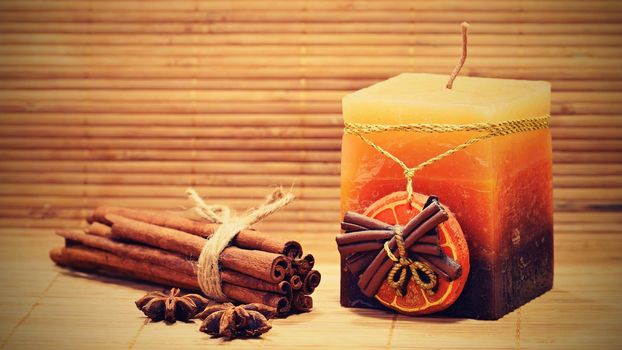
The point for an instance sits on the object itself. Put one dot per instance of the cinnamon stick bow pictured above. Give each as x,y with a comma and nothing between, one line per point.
364,239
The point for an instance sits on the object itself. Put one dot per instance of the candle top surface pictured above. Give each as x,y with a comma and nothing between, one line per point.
423,98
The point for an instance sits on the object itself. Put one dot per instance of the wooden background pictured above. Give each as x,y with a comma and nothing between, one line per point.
130,102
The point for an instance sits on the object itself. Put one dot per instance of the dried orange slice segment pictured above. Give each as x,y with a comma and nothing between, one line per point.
395,209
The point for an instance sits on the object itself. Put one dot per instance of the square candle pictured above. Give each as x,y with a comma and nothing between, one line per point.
500,189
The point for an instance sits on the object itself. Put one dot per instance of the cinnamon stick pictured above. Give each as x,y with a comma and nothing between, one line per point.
311,281
281,303
156,236
133,251
350,227
430,238
366,222
442,265
250,239
82,262
349,249
99,229
82,257
247,239
304,265
302,302
296,282
424,248
266,266
243,280
364,236
377,236
358,262
429,249
60,258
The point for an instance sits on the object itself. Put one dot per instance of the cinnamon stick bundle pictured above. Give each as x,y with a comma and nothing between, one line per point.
90,259
162,248
364,241
376,273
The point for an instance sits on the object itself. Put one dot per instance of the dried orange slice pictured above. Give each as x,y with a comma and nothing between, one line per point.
394,209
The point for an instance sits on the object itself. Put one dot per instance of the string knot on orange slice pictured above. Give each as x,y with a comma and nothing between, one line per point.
418,267
403,263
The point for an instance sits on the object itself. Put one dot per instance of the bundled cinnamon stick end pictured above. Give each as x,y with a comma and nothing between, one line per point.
302,303
304,265
311,281
296,282
163,248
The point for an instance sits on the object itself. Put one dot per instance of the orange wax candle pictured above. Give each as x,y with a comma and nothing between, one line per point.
500,188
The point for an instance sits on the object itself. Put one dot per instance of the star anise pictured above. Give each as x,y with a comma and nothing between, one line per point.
229,321
171,307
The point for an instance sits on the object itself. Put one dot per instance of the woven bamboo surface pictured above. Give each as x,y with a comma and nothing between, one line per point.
46,307
130,102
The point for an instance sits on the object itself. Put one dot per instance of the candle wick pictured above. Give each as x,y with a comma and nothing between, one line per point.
454,74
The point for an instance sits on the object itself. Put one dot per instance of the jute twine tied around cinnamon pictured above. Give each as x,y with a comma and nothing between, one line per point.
208,273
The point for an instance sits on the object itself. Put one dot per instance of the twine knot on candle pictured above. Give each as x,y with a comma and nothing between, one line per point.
488,130
208,273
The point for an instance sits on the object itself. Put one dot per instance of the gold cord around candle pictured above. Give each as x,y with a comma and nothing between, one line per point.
489,130
456,71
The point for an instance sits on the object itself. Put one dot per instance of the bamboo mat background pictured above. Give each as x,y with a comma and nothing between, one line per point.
130,102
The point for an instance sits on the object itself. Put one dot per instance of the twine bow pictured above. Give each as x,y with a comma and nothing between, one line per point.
402,263
208,273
